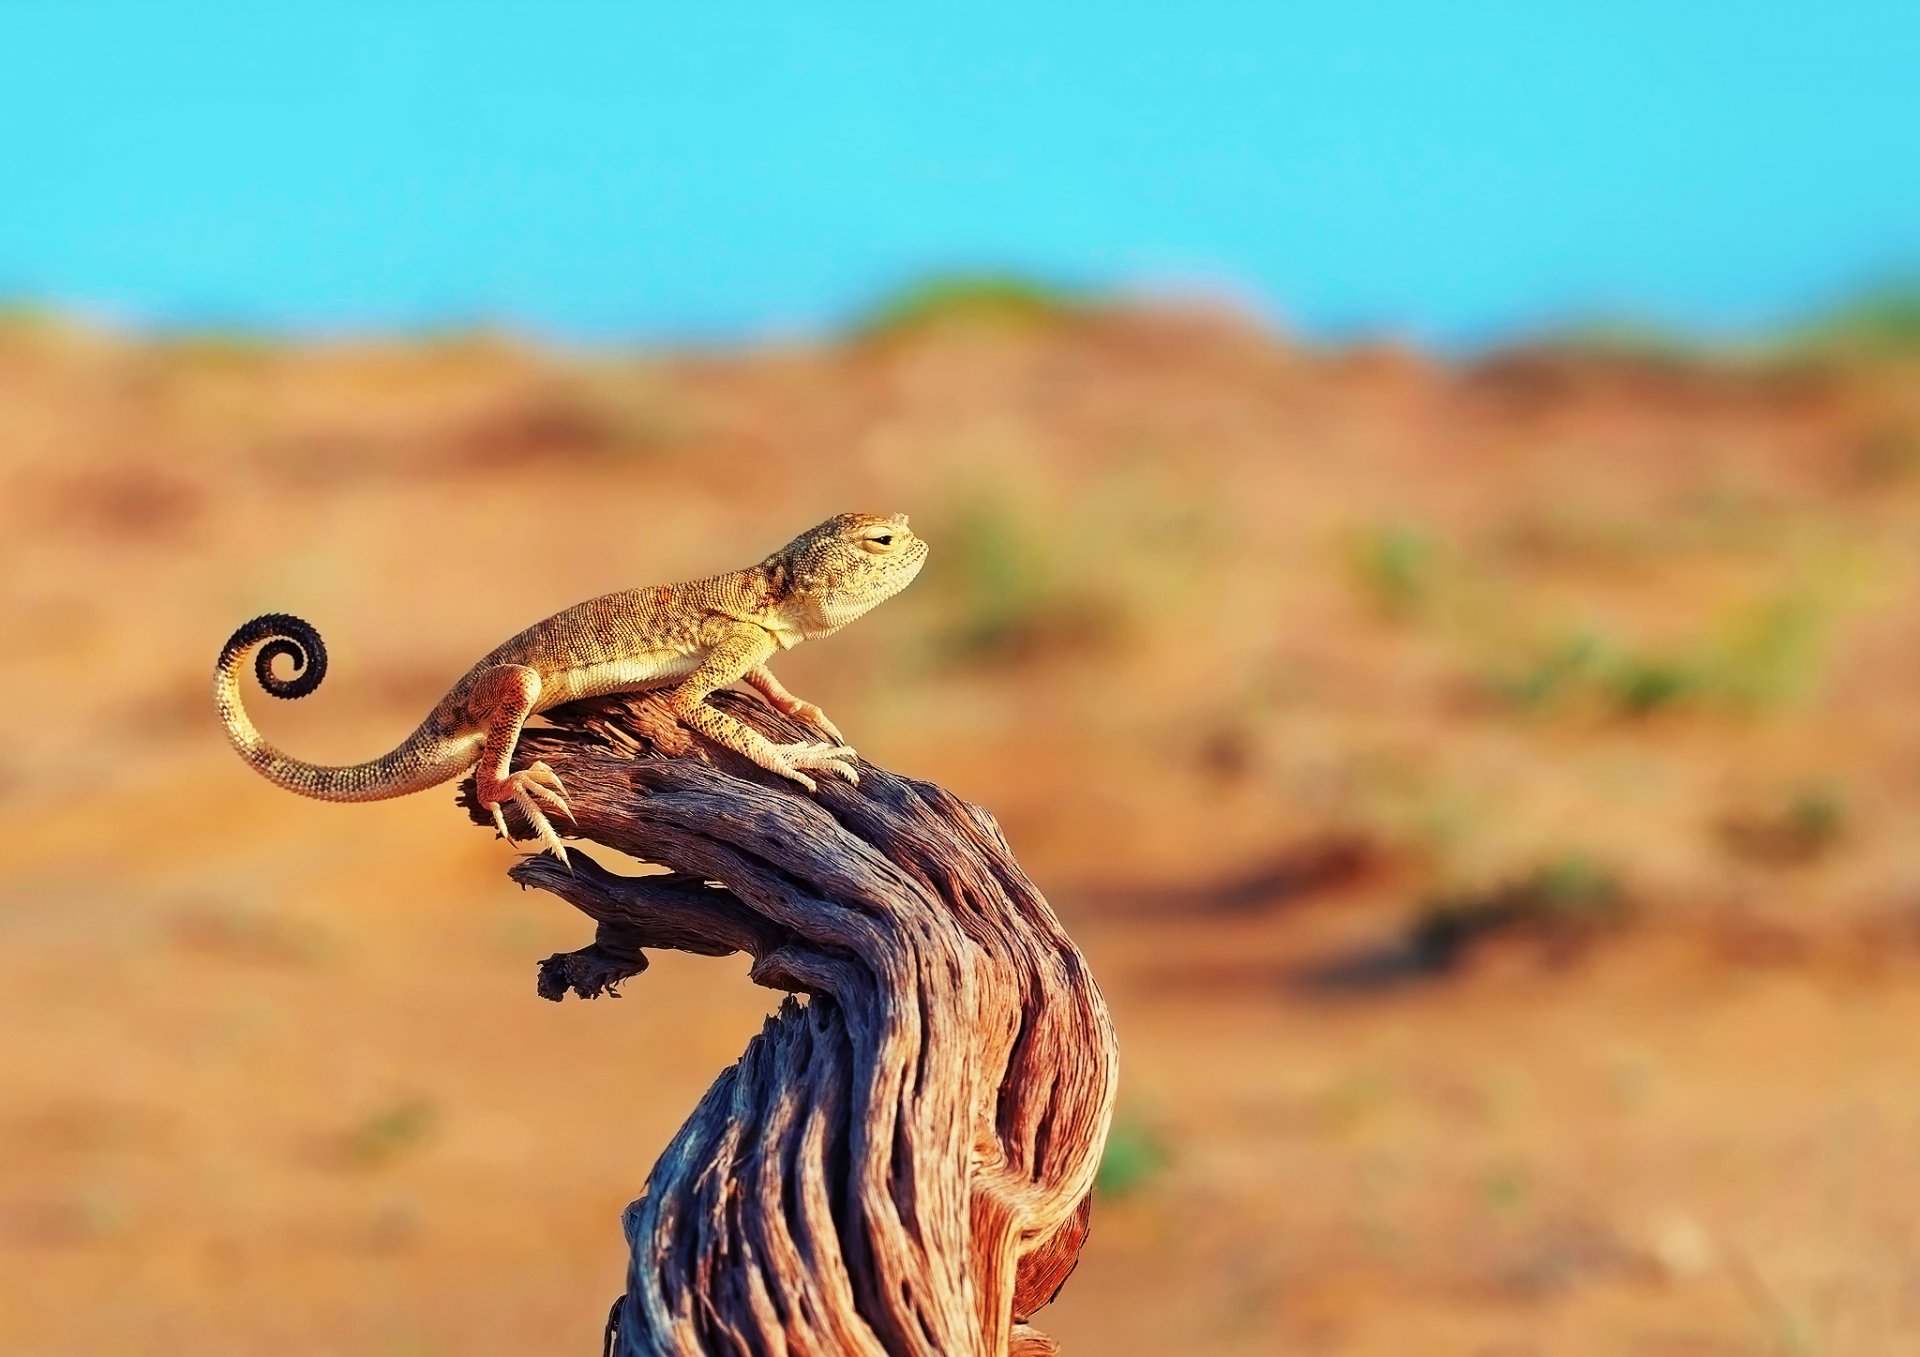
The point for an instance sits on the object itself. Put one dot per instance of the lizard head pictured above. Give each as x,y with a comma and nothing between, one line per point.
835,572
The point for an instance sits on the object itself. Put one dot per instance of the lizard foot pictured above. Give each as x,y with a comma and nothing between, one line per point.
536,789
813,716
790,759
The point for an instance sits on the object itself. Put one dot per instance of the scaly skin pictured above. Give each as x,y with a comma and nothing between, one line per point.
692,639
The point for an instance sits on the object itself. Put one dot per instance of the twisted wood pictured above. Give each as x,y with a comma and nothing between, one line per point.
902,1161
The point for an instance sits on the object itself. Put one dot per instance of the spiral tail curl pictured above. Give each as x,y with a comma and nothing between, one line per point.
285,635
431,755
275,635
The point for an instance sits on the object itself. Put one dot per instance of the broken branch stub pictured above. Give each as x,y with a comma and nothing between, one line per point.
902,1161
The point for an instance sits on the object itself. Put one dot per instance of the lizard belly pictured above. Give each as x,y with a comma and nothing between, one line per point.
631,674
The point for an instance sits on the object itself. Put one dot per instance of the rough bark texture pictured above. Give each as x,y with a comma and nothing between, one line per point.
902,1161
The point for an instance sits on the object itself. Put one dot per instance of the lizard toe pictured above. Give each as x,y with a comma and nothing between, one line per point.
814,749
535,791
811,714
542,827
825,758
789,771
539,772
546,799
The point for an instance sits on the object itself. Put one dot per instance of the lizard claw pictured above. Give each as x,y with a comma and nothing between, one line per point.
812,715
536,790
546,785
826,758
787,704
542,827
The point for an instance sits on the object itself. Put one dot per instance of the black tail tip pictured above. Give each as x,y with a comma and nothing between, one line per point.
284,634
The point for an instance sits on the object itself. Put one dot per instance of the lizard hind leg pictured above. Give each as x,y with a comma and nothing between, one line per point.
500,701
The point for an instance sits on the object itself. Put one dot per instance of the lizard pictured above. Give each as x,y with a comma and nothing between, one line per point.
690,639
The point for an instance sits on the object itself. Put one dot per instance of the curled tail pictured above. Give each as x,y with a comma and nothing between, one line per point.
429,756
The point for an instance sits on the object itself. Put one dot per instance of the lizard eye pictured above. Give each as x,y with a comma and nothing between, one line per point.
883,540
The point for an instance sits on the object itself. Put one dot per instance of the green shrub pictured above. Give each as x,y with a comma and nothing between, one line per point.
1564,899
1765,657
1640,685
390,1132
1564,664
1393,566
1134,1156
217,347
1805,826
1013,594
985,300
1880,321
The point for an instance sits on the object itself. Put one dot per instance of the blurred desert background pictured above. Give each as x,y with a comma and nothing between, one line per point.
1424,507
1485,788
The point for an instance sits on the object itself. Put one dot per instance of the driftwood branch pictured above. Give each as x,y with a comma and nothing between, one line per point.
902,1161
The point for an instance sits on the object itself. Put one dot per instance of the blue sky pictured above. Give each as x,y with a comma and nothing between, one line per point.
1450,171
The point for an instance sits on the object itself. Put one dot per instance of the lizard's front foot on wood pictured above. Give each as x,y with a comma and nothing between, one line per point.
789,759
536,789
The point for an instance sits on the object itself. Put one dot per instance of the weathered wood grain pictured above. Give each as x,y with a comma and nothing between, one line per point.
902,1161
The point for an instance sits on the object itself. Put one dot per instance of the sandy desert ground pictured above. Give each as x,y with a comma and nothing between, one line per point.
1485,789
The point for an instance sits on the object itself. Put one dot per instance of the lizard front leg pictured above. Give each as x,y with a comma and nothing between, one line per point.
760,677
734,653
500,701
